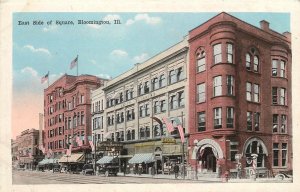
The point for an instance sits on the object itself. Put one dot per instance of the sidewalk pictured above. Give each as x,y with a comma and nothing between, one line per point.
172,177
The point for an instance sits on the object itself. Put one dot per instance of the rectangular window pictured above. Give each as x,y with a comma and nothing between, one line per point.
217,86
274,67
181,99
179,74
283,128
230,84
275,154
201,64
201,92
256,121
217,54
275,123
256,64
201,121
249,91
163,106
248,61
274,96
172,76
284,154
218,118
249,121
282,69
229,117
233,150
282,96
229,53
147,112
256,93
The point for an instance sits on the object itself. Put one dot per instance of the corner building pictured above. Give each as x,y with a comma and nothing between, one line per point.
67,114
239,96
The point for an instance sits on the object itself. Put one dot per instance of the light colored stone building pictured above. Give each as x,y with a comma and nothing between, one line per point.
130,107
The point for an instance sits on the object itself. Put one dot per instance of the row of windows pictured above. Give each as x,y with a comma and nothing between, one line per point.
97,106
98,123
77,120
217,118
55,132
175,75
252,60
56,107
72,104
57,119
53,96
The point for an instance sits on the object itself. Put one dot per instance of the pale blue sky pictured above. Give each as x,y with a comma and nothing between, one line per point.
108,50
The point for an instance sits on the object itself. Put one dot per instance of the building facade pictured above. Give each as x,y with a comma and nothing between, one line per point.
67,113
239,96
130,108
28,154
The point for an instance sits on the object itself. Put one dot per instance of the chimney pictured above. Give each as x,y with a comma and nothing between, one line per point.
287,35
264,25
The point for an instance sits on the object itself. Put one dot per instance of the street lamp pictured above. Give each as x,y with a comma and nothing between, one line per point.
94,134
197,157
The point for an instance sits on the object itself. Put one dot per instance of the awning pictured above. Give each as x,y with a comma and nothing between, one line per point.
74,158
48,161
105,160
142,158
125,156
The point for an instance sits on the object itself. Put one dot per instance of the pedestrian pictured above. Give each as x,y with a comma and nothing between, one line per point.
140,168
176,170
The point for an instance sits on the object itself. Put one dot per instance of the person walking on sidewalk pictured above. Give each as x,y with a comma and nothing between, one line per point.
176,170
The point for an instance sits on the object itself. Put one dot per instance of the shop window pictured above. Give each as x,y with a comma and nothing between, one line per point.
275,154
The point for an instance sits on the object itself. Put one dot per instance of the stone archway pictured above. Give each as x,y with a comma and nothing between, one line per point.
204,143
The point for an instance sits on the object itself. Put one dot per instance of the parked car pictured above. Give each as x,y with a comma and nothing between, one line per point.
108,169
88,169
56,168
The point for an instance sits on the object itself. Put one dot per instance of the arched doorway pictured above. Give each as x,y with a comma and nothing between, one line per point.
255,146
208,159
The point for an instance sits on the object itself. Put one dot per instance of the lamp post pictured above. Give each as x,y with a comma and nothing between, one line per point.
197,157
94,153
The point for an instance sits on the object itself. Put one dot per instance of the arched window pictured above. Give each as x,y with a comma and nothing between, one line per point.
133,134
252,60
128,135
201,61
255,147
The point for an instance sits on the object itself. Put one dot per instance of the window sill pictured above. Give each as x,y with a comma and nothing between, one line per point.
278,77
254,72
231,96
277,105
222,63
253,102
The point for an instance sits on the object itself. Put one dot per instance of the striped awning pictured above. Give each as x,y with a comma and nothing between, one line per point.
73,158
105,160
142,158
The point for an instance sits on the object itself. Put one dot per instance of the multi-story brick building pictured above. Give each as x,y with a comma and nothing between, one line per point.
239,96
126,110
67,114
28,153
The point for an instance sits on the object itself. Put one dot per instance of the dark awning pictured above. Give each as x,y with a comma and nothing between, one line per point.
105,160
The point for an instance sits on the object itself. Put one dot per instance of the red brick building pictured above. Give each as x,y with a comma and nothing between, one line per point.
239,96
67,111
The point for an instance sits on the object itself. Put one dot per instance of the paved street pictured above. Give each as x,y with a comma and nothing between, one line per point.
37,177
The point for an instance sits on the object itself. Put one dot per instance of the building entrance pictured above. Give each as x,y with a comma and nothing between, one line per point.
208,159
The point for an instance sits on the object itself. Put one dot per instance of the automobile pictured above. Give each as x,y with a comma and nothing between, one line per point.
56,168
284,175
88,169
108,170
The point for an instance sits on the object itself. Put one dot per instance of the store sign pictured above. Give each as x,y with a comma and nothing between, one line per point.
168,140
109,146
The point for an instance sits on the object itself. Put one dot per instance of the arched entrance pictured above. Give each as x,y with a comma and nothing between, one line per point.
206,153
255,146
208,159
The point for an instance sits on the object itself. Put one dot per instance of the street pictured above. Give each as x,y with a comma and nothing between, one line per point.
48,177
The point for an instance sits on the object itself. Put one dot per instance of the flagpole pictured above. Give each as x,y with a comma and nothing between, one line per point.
48,78
77,65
